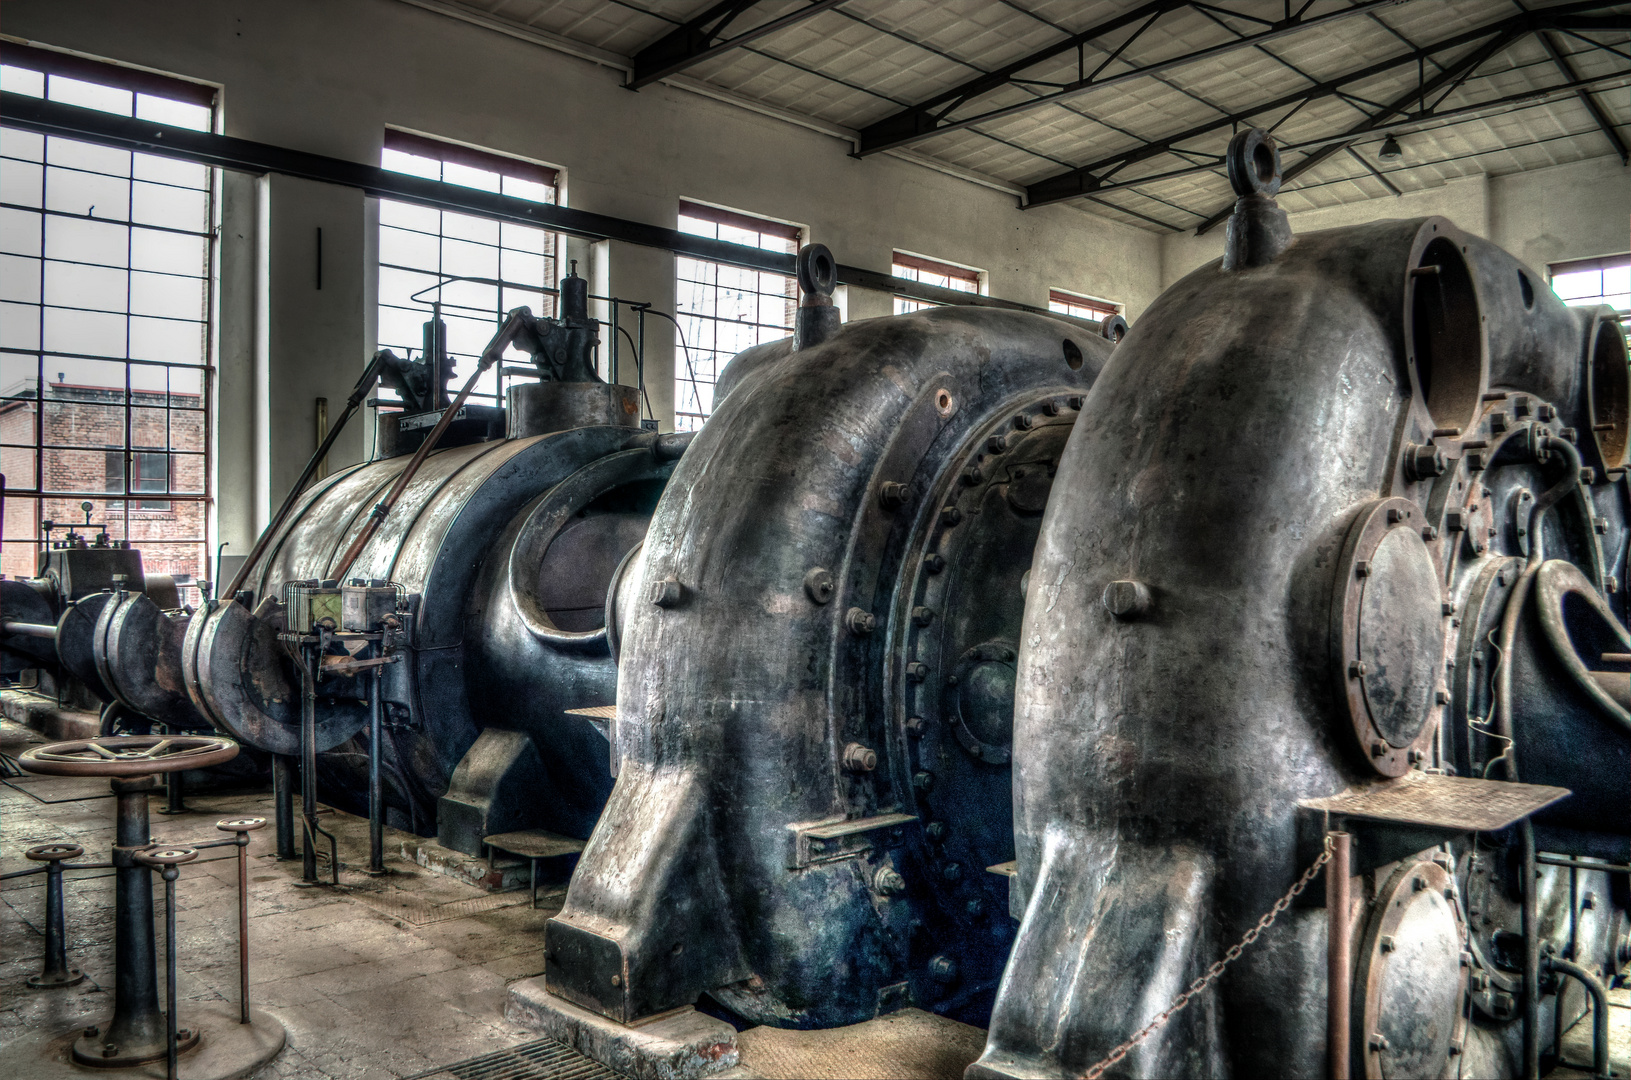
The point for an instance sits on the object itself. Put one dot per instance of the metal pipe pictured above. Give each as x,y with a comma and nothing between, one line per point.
242,840
55,971
170,873
1546,859
376,801
1339,973
1531,958
370,375
376,517
28,629
308,766
135,1032
1599,1010
283,768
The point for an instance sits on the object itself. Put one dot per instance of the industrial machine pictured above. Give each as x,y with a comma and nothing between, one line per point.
817,654
1333,572
50,619
415,628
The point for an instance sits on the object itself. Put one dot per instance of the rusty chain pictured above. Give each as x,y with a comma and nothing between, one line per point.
1215,970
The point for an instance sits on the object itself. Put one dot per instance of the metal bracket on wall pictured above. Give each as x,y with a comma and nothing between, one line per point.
828,841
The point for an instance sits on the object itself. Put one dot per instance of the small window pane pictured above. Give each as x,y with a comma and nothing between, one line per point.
175,208
149,428
400,247
165,294
148,378
408,216
76,470
17,462
72,285
186,431
167,253
19,375
19,279
69,377
19,232
84,194
187,474
164,170
466,227
175,113
19,326
89,157
186,387
522,238
20,183
83,241
167,341
89,333
89,95
15,80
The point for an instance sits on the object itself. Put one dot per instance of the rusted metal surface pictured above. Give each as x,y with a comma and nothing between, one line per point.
1239,458
833,580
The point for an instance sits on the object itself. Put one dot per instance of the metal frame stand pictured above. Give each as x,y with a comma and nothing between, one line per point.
1339,956
283,780
376,800
55,971
136,1034
166,861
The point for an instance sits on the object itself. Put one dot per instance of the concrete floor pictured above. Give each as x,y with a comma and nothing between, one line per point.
382,978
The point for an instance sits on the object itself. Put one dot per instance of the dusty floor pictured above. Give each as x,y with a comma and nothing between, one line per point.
381,978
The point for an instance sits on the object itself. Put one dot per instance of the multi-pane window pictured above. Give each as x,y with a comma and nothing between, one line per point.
105,269
477,268
1589,282
723,309
1081,307
931,272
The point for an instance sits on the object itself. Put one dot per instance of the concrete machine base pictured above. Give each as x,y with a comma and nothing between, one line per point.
225,1050
673,1046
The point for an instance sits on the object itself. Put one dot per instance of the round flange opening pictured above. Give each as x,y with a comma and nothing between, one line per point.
1444,331
1388,634
1609,390
1411,985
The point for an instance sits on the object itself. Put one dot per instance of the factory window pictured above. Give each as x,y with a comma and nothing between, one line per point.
1588,282
475,267
723,309
930,272
1081,307
106,262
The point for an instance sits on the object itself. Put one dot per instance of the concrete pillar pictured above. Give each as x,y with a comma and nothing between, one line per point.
236,435
315,325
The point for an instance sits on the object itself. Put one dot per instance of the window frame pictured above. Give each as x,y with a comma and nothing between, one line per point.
786,238
918,265
1068,299
36,397
505,166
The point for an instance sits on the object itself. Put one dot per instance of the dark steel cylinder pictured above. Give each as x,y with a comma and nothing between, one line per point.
283,780
136,1033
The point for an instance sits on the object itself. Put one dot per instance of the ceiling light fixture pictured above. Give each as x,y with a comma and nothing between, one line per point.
1390,150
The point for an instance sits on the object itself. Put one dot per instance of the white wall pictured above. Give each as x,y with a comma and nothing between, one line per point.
1573,211
328,76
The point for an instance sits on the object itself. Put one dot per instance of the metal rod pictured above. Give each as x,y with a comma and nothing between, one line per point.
1599,1010
1546,859
1531,958
611,368
376,801
1338,967
308,767
370,375
242,840
54,971
283,768
24,629
170,873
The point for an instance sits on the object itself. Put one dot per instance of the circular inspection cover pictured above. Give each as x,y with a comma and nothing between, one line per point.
1401,637
1411,977
1388,633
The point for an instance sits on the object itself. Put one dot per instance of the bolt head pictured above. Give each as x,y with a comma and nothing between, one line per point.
934,562
950,516
667,593
1023,421
860,622
818,584
1127,599
892,495
922,616
923,781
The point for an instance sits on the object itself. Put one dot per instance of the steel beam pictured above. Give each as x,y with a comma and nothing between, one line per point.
242,155
926,119
1093,177
1604,124
702,37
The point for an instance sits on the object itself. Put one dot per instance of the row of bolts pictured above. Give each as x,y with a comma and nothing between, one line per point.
55,971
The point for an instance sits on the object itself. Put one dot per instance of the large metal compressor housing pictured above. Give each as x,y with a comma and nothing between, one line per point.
815,687
1275,567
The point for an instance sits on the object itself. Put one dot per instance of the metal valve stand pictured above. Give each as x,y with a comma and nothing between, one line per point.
137,1031
166,860
55,971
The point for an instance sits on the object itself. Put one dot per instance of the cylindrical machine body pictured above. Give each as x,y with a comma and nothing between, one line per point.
502,551
1315,469
814,683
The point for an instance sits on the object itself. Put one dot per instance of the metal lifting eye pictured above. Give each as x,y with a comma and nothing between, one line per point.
1254,163
817,269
